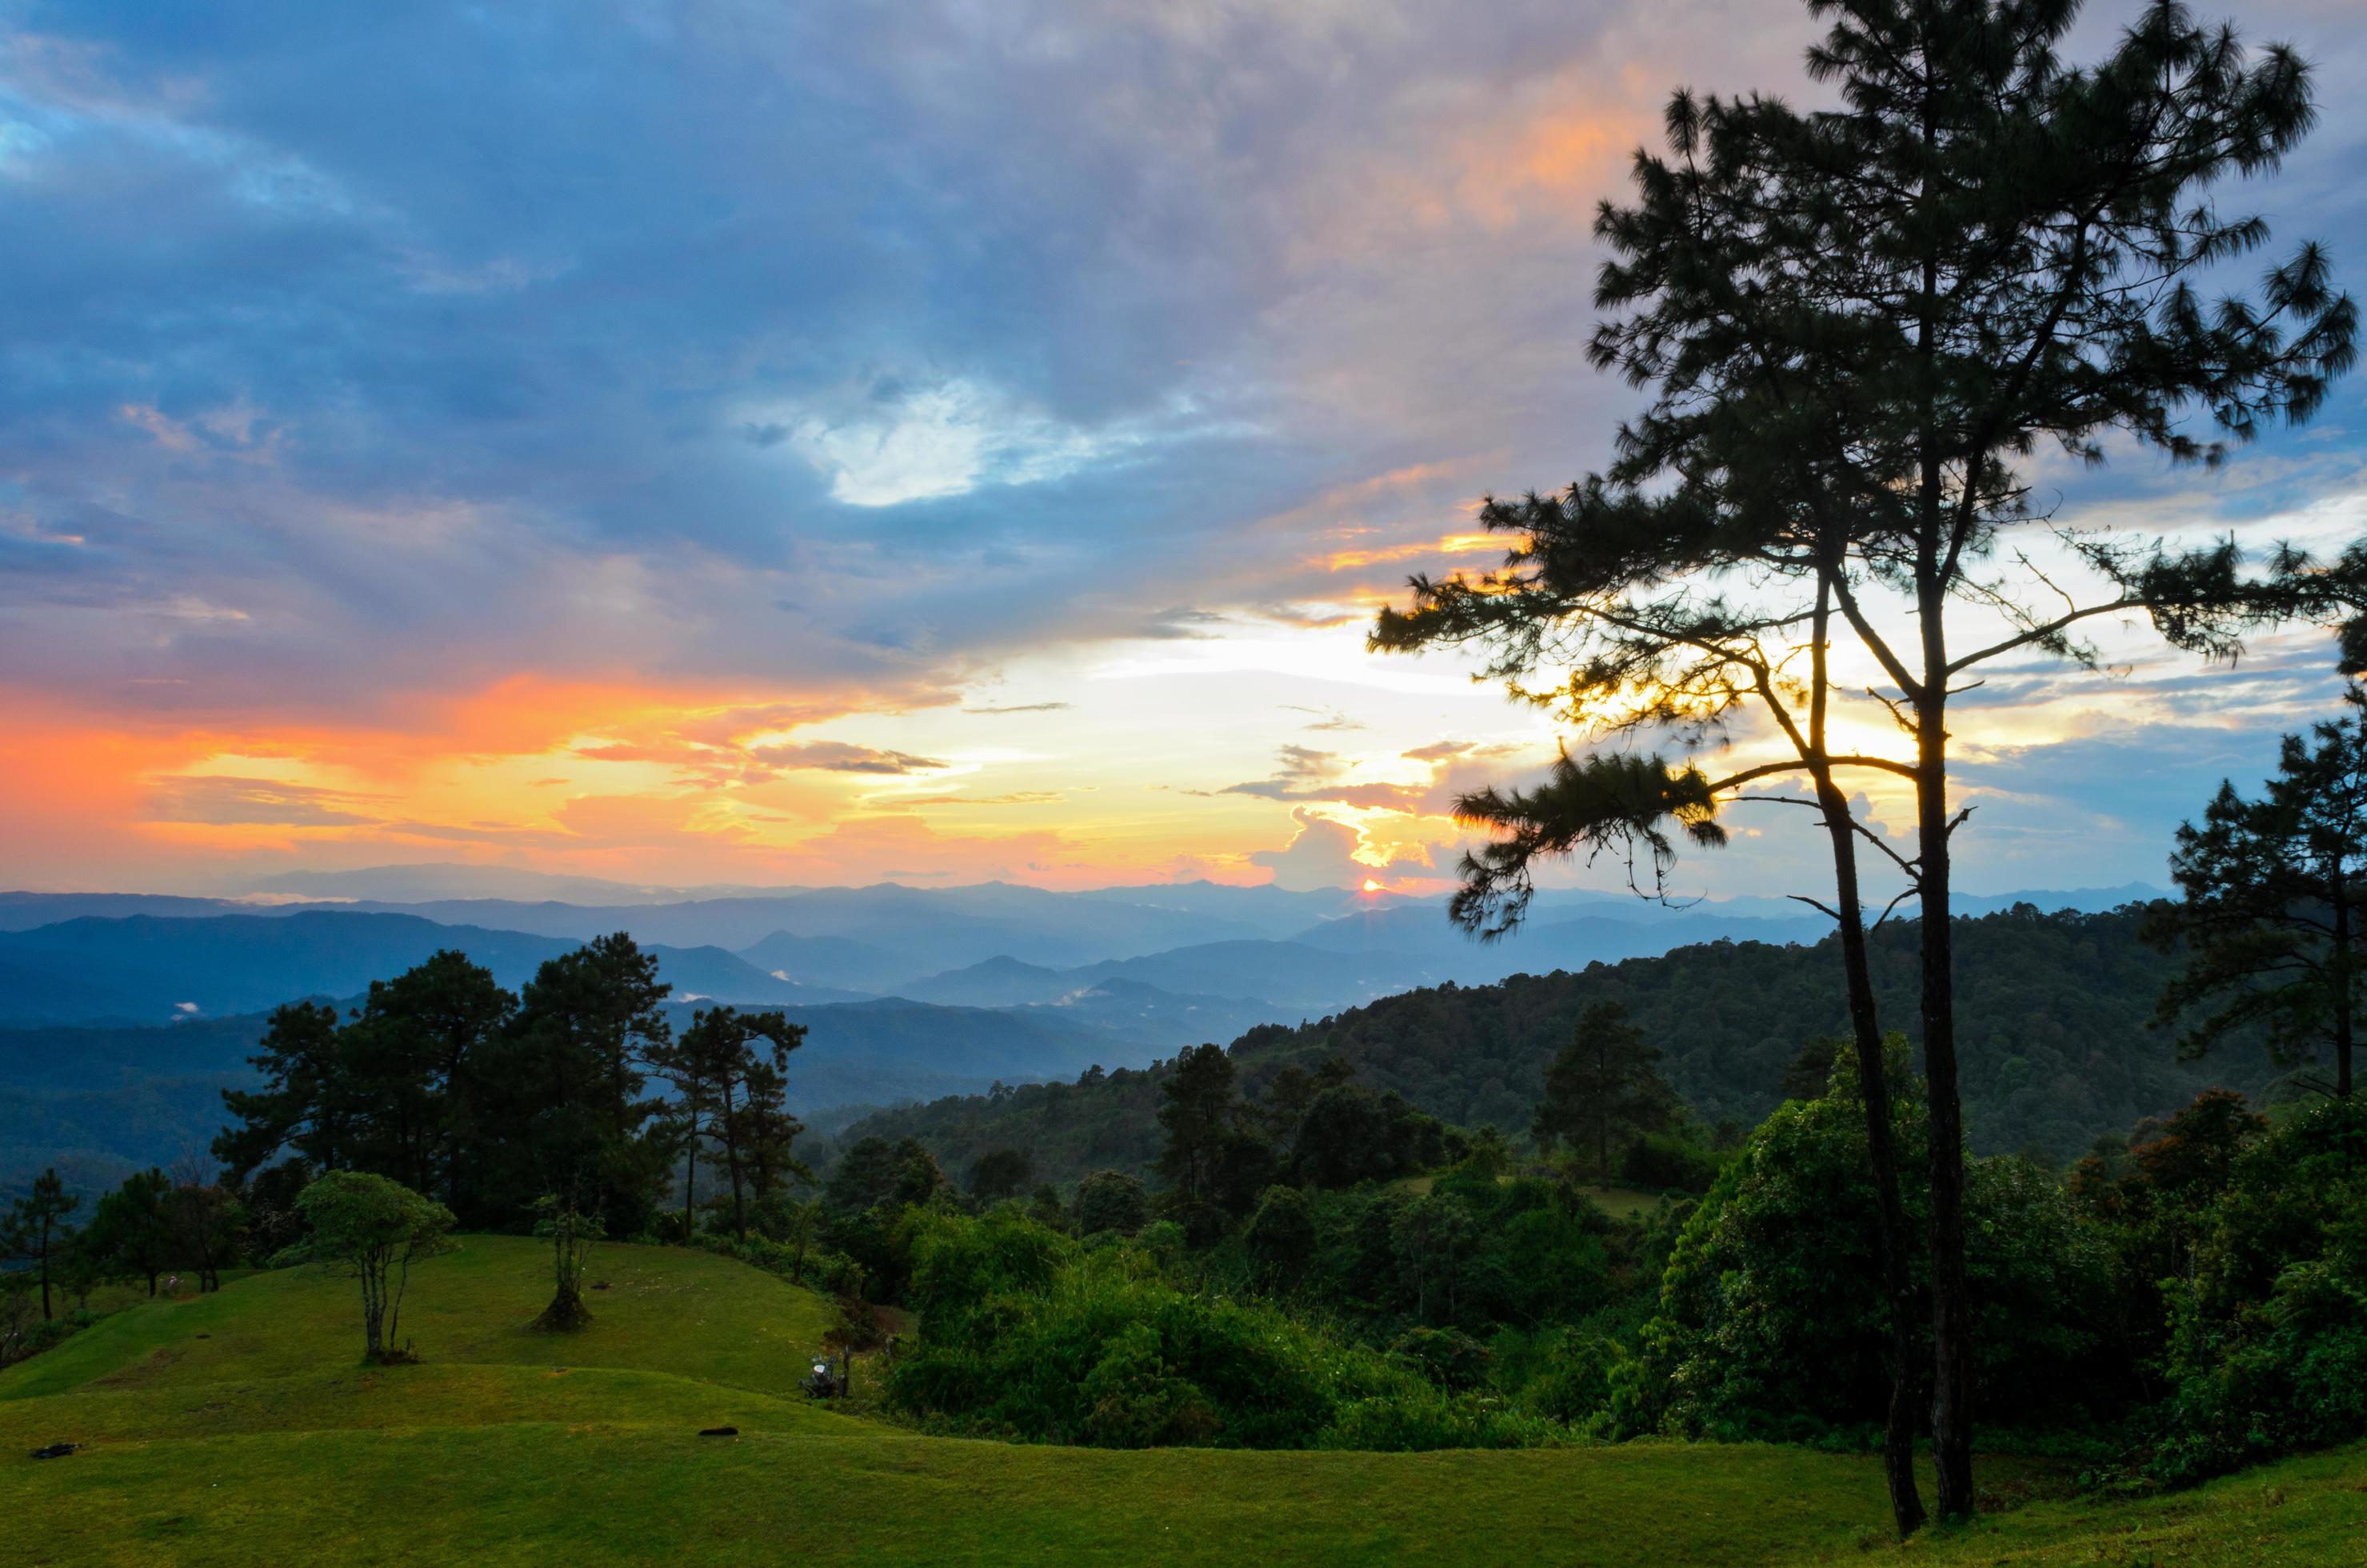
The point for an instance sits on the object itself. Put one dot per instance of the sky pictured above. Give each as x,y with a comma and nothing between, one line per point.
824,443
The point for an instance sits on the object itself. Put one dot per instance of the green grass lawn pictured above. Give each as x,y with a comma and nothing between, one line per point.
240,1428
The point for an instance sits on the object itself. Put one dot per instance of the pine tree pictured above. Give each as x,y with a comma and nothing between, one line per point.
2271,921
1603,1087
1854,324
733,1096
36,1229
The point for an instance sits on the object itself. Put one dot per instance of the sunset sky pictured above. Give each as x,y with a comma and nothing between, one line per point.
816,443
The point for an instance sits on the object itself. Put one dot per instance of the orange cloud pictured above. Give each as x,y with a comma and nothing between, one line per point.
1445,544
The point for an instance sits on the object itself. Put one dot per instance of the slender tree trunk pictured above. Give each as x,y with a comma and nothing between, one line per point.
2341,982
1951,1294
1882,1162
690,1185
46,1314
454,1098
732,1164
1874,1088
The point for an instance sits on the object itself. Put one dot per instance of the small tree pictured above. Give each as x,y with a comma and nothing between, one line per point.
208,1227
1604,1088
131,1232
375,1230
801,1226
572,1234
36,1231
2270,921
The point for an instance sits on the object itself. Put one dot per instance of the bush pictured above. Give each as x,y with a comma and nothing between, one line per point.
1574,1383
1423,1418
1772,1322
1445,1356
1028,1335
2267,1341
1666,1162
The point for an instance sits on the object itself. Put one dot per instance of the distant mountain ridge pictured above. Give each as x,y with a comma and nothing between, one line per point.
148,968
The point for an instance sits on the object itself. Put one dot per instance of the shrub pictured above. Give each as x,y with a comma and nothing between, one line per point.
1446,1357
1420,1418
1028,1335
2267,1341
1667,1161
1574,1383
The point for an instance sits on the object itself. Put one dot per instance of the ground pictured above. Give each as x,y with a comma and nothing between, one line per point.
239,1428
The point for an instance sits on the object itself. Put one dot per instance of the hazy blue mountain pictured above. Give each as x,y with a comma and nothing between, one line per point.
1274,911
2085,901
1296,978
1552,940
1160,1021
829,961
24,911
994,983
145,968
1277,980
922,930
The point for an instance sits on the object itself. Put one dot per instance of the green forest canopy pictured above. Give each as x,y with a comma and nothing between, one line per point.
2054,1013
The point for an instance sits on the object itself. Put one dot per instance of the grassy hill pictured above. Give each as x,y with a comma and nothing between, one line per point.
238,1427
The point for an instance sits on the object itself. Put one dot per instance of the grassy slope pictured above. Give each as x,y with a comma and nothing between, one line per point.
237,1427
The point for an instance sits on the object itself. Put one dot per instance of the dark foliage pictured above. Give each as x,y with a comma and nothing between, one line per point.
443,1081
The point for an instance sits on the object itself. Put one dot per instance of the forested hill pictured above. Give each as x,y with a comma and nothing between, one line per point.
2054,1014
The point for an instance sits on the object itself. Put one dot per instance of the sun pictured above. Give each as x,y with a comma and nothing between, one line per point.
1372,885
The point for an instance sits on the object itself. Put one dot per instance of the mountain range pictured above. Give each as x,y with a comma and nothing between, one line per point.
123,1015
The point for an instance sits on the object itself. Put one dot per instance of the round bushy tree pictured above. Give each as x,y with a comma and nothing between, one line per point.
1111,1200
375,1230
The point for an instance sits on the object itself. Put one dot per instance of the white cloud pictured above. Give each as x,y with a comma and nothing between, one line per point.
944,438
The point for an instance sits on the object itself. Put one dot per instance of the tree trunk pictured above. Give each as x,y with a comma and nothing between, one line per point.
455,1097
1882,1162
1951,1296
1874,1088
2341,983
732,1164
373,1313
